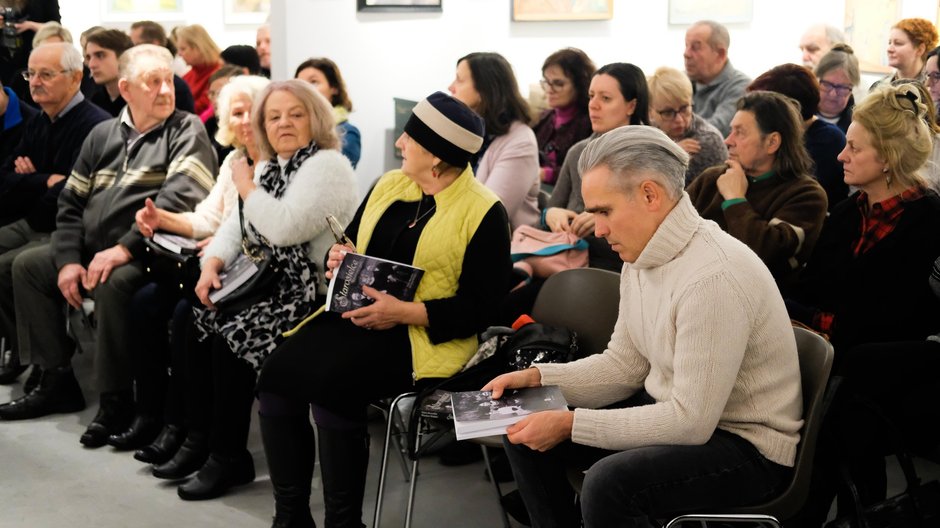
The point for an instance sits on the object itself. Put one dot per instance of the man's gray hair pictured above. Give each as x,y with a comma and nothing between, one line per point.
634,153
70,60
128,63
719,38
834,35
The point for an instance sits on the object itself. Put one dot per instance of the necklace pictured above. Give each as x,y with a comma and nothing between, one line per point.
417,218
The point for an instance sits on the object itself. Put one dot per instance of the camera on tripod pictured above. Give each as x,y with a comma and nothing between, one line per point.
9,37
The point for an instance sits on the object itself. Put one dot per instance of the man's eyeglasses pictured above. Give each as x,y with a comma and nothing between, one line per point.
933,77
44,75
671,113
840,89
553,85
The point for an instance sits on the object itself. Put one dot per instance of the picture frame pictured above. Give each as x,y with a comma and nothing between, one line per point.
392,6
253,12
561,10
133,10
722,11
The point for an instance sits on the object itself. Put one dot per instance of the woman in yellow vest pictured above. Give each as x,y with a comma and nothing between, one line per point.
432,214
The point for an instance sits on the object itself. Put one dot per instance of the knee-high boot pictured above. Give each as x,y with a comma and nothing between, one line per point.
289,448
344,459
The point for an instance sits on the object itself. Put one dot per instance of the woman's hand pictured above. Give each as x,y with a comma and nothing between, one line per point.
335,257
386,312
209,280
242,177
148,218
583,224
690,145
559,219
202,244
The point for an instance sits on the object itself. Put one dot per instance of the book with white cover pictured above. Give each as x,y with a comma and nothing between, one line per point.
394,278
477,414
233,276
176,243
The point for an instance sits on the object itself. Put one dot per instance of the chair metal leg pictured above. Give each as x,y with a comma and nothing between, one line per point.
496,488
761,520
414,473
390,423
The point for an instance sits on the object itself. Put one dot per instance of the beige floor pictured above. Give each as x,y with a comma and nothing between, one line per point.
48,480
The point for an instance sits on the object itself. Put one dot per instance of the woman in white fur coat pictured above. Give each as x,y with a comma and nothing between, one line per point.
301,179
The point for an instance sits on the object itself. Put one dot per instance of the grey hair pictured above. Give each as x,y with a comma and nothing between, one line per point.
49,30
70,60
127,64
834,35
719,38
250,85
636,152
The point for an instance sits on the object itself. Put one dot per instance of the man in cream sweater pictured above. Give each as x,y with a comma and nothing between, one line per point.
696,403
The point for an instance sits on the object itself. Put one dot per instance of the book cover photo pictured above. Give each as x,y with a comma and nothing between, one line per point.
394,278
477,414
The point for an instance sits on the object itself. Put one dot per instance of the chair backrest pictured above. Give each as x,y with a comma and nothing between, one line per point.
585,300
815,364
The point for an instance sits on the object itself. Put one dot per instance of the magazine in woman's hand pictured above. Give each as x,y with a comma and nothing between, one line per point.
394,278
477,414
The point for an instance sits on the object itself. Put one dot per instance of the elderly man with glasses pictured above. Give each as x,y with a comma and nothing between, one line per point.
34,173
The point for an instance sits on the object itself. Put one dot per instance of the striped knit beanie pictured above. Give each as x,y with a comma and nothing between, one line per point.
446,128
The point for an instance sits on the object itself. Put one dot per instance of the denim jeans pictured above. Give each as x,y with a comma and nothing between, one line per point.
632,488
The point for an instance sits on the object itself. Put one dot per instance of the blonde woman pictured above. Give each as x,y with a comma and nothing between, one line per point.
202,54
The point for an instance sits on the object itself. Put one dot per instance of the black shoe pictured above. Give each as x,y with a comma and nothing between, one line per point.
143,430
218,475
513,505
58,392
32,381
164,447
191,456
114,416
10,368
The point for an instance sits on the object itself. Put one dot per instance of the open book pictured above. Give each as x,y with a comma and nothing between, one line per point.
394,278
176,243
477,414
233,276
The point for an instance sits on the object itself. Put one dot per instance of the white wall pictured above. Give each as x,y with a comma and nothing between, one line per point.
386,55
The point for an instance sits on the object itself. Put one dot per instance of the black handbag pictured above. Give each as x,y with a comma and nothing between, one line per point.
171,269
259,286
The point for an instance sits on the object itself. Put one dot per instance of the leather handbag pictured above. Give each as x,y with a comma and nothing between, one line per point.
543,253
260,285
171,269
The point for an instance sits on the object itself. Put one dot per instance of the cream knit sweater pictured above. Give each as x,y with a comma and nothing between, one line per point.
703,328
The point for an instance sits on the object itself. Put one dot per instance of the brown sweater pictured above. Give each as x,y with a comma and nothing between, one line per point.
780,219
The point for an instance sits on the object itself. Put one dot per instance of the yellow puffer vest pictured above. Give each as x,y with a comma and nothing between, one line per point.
440,253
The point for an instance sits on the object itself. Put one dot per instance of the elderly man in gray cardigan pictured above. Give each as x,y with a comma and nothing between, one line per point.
697,400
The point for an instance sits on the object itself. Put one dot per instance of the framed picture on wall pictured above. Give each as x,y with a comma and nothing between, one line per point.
133,10
246,11
723,11
550,10
399,5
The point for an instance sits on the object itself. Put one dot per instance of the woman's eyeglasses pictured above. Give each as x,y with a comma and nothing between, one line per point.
840,89
553,85
671,113
933,77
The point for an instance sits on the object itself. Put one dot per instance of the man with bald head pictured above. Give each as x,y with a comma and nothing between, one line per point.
717,85
151,150
33,174
817,41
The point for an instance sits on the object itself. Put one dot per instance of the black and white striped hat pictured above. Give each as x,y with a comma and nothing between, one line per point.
447,128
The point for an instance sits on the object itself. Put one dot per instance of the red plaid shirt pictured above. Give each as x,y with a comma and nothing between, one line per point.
877,224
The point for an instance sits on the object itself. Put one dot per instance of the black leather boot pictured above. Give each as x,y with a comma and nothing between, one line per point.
344,459
290,450
191,456
32,381
219,473
10,367
114,416
58,392
164,447
143,430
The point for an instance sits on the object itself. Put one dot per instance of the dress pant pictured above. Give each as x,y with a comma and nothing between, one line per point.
14,239
41,314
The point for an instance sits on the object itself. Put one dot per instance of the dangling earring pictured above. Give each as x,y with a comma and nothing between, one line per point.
887,176
434,172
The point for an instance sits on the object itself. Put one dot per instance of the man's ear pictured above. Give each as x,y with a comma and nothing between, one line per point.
122,87
651,194
772,142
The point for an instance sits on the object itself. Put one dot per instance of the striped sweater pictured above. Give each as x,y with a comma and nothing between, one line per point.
172,163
